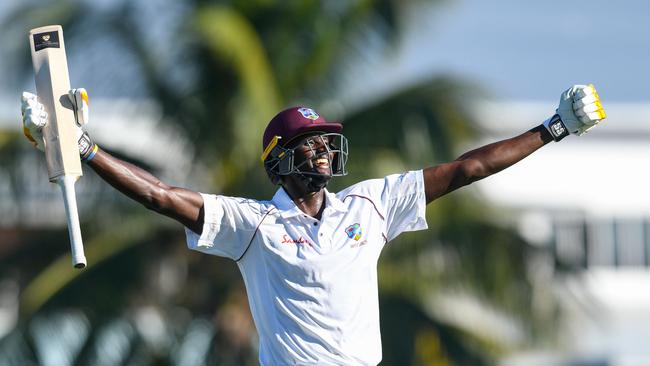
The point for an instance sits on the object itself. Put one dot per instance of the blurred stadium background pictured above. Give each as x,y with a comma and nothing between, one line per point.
543,264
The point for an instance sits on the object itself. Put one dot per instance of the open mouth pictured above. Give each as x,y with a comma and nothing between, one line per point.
322,162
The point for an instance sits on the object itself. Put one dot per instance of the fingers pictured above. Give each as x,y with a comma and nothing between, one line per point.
586,100
80,100
35,116
84,95
31,108
28,96
34,119
84,106
589,118
583,91
587,106
78,97
27,100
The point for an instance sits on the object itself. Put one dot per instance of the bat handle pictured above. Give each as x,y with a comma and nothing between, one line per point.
66,183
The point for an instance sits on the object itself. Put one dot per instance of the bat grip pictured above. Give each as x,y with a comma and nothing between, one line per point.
66,183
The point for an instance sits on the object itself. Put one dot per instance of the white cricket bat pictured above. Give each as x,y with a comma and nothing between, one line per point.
61,150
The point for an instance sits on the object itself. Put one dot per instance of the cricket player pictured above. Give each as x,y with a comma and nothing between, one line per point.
308,256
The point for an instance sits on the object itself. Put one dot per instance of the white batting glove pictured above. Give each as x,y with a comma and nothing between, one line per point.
35,118
79,99
579,111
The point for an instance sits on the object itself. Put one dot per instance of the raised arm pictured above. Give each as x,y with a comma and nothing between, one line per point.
180,204
579,111
482,162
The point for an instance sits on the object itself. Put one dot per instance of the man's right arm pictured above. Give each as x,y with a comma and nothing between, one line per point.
180,204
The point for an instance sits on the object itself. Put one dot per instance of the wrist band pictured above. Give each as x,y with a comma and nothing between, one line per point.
556,127
87,148
91,155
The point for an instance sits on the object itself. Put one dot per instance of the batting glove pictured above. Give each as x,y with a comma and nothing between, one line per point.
579,111
35,118
80,103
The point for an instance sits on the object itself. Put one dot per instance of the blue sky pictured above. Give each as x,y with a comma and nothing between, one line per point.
516,50
528,50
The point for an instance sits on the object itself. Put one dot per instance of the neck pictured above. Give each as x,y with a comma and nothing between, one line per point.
311,203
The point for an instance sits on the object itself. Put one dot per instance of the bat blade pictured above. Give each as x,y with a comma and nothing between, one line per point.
61,149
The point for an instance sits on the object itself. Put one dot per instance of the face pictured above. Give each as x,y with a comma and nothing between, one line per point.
313,158
308,162
313,154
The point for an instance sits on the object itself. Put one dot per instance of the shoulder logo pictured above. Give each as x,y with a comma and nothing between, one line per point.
308,113
354,231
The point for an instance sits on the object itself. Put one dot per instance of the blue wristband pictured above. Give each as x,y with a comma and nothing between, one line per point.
91,155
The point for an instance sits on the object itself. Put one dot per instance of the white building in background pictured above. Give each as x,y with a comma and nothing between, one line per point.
588,198
584,196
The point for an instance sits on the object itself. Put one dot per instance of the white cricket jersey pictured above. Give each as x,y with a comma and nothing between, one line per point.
312,284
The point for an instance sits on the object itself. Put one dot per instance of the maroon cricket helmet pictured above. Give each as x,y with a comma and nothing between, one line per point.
296,121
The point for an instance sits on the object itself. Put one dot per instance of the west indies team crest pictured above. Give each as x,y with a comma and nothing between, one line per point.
354,231
308,113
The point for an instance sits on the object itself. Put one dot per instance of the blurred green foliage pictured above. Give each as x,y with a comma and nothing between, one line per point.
252,58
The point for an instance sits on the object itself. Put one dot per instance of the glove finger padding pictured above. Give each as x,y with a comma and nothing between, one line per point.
583,91
589,108
588,99
587,105
580,109
79,99
80,102
34,119
591,118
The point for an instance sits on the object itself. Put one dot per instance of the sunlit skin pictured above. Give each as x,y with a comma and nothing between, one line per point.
186,206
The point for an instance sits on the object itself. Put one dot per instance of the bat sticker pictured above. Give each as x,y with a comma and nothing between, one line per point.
46,40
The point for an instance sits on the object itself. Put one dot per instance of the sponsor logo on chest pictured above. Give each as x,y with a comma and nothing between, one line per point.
286,239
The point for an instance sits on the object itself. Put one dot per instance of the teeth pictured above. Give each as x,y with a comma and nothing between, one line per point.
322,161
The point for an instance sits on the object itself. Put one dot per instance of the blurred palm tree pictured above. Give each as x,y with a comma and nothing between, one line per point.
220,71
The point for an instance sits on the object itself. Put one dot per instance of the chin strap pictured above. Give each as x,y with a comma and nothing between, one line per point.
314,182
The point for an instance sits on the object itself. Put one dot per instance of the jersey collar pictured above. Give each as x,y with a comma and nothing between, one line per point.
288,208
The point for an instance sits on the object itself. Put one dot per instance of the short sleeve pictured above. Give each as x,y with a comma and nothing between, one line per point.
228,226
404,202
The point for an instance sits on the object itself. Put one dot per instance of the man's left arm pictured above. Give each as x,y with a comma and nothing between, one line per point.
579,111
